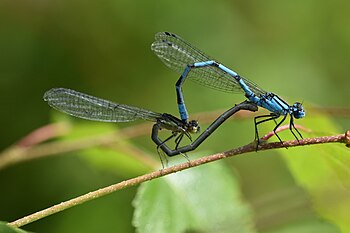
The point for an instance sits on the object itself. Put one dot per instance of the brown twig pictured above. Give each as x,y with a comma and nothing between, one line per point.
44,133
341,138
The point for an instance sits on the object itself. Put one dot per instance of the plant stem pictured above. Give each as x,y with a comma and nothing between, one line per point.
341,138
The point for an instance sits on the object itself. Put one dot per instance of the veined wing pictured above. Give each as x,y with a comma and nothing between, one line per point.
176,53
92,108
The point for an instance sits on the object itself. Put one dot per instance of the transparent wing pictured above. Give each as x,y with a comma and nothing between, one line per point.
92,108
176,53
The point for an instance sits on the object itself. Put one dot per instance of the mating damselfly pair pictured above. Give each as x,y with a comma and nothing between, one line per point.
193,64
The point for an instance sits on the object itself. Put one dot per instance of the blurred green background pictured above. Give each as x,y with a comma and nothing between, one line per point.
297,49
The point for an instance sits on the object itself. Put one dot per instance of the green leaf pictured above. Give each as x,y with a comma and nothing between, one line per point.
324,172
5,228
308,226
206,198
113,160
117,159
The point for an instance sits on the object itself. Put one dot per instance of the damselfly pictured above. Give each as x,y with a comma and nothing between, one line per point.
192,63
92,108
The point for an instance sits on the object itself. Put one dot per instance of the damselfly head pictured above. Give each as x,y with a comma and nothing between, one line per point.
193,126
298,110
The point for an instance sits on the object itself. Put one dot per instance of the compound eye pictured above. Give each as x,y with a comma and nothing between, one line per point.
193,126
193,123
298,111
298,106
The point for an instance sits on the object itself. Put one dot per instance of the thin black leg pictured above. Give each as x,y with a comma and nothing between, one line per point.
170,137
256,123
160,144
278,125
178,140
188,135
292,126
167,139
